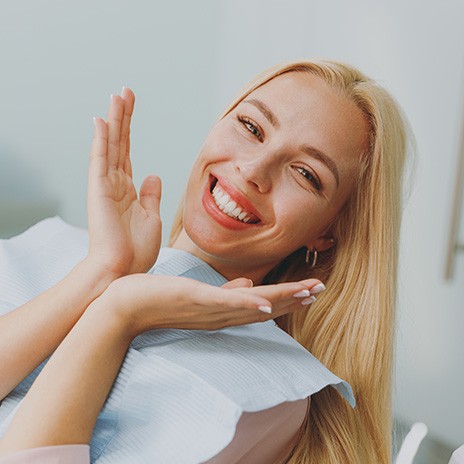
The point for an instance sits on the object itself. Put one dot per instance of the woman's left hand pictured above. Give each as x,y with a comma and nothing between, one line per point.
145,301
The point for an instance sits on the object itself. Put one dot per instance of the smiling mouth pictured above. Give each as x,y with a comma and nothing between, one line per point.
230,207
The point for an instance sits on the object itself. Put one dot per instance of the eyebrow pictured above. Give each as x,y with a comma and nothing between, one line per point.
319,155
268,114
311,151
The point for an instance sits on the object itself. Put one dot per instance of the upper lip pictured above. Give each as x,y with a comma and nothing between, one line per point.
237,196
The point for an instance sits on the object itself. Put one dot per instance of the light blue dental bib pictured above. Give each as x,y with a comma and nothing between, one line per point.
180,393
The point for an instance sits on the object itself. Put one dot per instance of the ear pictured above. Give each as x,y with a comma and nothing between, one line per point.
322,243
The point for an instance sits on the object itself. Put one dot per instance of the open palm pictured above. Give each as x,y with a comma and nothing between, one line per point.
124,229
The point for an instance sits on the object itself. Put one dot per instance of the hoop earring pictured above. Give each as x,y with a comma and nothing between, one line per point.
311,257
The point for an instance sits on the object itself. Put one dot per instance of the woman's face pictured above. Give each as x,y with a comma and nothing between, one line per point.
272,176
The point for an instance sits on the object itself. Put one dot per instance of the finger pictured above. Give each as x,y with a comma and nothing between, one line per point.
313,283
226,307
241,282
207,295
115,115
127,162
243,300
283,291
302,302
150,194
98,161
289,307
318,288
124,149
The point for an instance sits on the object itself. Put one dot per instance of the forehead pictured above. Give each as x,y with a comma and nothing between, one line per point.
310,112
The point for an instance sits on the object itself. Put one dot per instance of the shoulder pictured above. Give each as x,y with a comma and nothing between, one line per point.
265,437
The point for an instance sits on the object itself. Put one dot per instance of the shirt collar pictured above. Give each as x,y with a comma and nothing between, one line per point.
175,262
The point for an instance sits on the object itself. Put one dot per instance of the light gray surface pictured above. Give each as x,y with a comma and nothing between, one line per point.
17,216
431,450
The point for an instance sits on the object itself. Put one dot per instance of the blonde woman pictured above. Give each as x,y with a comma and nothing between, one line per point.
297,185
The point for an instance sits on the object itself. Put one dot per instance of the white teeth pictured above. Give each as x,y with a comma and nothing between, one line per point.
236,212
228,206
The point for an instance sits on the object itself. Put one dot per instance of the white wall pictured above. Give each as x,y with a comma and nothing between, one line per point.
60,61
185,60
416,50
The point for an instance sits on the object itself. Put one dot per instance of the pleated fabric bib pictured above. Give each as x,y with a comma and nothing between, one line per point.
180,393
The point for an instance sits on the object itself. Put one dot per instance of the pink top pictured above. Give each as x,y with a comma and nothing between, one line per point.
63,454
263,437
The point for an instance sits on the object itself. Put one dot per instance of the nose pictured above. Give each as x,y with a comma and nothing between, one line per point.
259,171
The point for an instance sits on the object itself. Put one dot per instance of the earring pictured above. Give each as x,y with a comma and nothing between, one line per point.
311,257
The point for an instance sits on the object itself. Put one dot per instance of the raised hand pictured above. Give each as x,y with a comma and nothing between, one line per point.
124,230
144,301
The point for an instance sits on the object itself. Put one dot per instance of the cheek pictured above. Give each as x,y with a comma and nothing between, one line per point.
302,216
222,143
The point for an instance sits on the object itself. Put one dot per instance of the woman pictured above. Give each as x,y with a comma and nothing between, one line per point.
299,179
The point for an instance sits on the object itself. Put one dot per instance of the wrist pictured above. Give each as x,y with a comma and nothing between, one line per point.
84,283
134,304
108,310
97,275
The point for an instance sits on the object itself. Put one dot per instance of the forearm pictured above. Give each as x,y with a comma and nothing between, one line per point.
71,390
32,332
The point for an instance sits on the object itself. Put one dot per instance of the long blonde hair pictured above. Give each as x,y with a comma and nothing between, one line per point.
350,327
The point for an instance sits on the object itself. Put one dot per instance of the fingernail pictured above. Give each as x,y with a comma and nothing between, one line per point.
265,309
94,120
301,294
309,300
123,87
317,289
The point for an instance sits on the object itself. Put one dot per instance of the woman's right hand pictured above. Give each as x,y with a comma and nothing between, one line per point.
125,234
124,230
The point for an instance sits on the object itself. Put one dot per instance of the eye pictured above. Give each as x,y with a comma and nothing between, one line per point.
309,176
251,127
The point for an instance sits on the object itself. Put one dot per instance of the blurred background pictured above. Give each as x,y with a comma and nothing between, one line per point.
60,61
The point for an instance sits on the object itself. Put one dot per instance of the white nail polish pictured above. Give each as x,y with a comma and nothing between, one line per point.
317,289
309,300
265,309
301,294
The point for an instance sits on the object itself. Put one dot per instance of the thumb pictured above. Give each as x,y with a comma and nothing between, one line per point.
241,282
150,194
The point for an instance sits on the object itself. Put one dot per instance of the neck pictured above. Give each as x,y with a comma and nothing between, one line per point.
184,243
230,267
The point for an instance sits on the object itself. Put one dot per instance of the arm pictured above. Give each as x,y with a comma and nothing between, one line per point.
80,373
33,331
124,233
87,361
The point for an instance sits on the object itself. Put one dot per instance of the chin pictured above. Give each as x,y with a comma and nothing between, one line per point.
207,241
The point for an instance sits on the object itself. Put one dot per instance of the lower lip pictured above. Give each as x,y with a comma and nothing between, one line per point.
222,218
